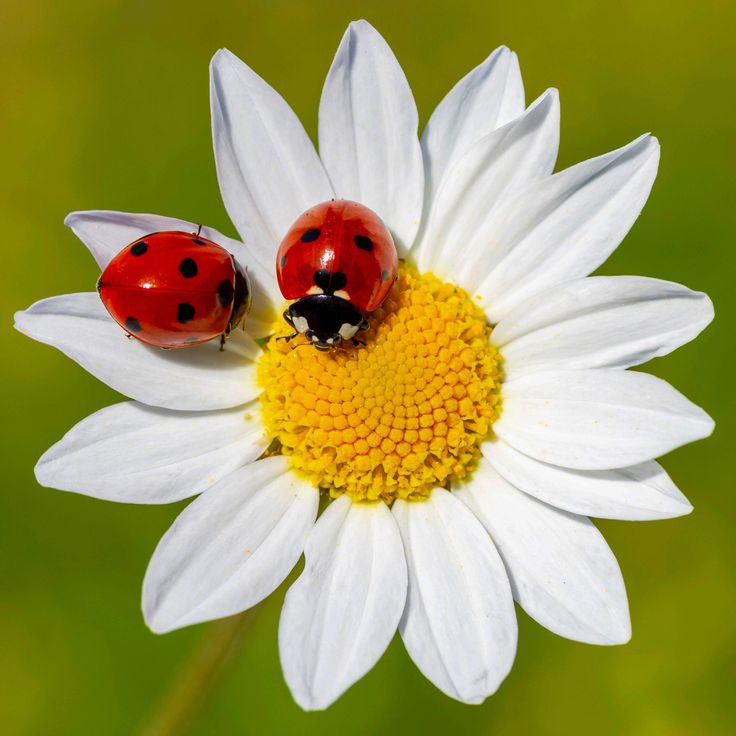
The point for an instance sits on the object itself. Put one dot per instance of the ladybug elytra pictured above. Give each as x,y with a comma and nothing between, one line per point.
339,262
175,290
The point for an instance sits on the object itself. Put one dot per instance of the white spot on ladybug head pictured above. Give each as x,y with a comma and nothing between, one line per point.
314,290
343,294
347,330
300,324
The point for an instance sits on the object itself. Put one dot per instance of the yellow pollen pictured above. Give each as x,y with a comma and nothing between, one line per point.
398,416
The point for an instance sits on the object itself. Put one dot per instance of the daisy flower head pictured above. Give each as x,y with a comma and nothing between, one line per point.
460,450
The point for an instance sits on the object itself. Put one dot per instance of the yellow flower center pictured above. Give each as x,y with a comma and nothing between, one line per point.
398,416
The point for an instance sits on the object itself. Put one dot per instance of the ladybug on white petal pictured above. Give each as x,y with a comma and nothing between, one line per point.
339,262
175,290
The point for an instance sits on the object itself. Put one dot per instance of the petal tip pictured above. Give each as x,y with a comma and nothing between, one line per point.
548,100
362,25
310,702
224,57
155,628
620,634
20,319
71,219
151,614
40,471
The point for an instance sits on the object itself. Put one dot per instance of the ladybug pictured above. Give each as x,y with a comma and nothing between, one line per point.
339,262
175,289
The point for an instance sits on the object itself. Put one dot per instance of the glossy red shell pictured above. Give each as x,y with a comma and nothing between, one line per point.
352,240
170,289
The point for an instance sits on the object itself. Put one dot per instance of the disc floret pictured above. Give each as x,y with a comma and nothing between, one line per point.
398,416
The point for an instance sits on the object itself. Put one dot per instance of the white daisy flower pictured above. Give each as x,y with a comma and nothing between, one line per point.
461,449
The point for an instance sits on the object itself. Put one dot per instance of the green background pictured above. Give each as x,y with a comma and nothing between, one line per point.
105,105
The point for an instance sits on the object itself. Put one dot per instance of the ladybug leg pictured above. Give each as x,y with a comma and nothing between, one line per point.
290,322
288,338
357,342
363,326
199,230
222,342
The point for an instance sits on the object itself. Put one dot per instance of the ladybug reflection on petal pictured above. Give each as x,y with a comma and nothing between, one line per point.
339,262
175,290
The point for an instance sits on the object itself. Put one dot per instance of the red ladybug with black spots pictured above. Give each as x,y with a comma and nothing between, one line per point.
339,262
175,289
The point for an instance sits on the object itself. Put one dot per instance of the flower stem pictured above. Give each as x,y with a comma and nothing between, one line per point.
187,694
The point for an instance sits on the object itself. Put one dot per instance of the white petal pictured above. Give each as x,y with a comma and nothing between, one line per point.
565,226
563,573
637,493
593,420
600,322
453,242
368,132
459,625
268,169
231,547
196,378
106,232
486,98
135,453
342,612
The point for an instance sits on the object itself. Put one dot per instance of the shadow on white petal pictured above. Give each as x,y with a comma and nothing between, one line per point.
230,548
133,453
368,132
563,227
268,169
196,378
638,493
342,612
562,572
600,322
488,97
459,625
597,419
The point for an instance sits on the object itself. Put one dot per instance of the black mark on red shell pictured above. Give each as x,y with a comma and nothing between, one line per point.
309,236
188,268
185,313
132,324
363,242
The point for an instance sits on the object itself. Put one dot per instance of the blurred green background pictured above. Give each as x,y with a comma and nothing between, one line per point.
105,105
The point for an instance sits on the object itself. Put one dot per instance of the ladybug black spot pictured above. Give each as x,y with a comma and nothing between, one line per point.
225,293
198,241
185,313
363,242
188,268
282,262
132,324
310,235
330,283
384,275
138,249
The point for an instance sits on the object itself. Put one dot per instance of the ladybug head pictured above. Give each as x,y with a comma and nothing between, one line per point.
325,320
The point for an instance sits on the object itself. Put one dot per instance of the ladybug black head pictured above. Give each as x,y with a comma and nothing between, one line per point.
325,320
